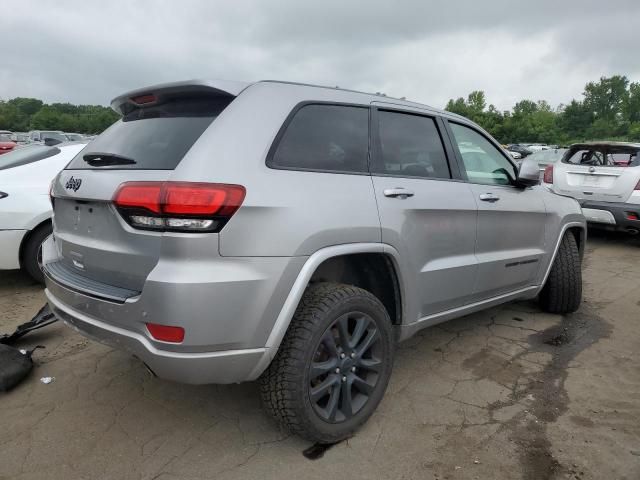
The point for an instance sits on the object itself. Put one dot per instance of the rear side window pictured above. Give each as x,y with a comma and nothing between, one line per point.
152,138
26,155
410,146
320,137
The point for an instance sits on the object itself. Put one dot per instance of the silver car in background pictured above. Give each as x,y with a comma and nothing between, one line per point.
226,232
605,178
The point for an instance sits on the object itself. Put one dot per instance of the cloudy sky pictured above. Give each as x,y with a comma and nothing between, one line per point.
427,50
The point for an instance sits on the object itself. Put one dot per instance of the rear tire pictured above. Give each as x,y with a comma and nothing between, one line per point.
562,293
31,252
333,365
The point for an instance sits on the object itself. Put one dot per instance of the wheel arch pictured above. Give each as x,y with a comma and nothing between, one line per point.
579,231
313,267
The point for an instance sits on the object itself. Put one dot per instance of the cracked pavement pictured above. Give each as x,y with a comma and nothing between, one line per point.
507,393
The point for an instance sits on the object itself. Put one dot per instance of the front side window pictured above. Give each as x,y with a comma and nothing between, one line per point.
410,146
483,162
326,138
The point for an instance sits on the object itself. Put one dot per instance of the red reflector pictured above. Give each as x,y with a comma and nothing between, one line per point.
139,195
144,99
166,333
548,174
632,216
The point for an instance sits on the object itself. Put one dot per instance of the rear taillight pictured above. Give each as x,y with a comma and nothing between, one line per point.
166,333
637,185
548,174
178,206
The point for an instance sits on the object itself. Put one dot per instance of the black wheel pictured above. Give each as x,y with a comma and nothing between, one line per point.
32,252
333,365
562,293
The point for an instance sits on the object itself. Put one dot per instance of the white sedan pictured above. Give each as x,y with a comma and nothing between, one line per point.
25,208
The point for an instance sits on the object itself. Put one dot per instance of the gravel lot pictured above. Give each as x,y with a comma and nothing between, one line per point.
504,394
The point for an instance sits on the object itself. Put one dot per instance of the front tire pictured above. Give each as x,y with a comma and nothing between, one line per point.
333,365
562,293
31,252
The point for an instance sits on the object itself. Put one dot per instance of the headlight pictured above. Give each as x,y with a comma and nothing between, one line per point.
3,195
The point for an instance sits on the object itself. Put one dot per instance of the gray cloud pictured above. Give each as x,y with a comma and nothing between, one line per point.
429,51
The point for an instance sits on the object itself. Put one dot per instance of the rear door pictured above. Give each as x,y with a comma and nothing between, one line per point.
511,220
598,173
426,213
147,144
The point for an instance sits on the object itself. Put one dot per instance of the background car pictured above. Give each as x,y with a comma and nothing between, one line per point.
74,137
6,144
25,209
547,157
40,136
523,151
515,155
605,178
21,138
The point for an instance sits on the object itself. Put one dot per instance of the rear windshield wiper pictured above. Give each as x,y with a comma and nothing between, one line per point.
107,159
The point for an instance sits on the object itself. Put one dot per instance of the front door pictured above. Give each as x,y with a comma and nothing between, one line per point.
511,220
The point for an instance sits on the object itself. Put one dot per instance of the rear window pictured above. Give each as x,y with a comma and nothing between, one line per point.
25,155
320,137
152,138
605,156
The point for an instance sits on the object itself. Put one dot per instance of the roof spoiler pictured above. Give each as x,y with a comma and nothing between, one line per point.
155,94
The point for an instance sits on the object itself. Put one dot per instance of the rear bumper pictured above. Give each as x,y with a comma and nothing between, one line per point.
227,307
227,366
614,216
10,241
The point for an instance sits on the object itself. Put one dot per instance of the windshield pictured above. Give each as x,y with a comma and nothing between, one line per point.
74,136
25,155
5,138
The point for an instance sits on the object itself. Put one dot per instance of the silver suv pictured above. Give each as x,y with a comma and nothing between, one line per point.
226,232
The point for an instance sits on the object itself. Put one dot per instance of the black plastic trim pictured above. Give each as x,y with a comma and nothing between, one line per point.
61,274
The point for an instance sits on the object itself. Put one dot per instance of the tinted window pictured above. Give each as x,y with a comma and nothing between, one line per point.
25,155
410,146
325,137
483,162
155,137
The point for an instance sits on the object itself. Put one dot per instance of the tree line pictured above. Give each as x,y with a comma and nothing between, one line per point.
25,114
608,110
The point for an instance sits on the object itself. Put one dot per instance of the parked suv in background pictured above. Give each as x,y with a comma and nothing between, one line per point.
224,232
605,178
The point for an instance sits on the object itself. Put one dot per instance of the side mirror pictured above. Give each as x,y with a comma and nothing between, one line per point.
529,174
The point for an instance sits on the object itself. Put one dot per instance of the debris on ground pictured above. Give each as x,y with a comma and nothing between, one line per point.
47,380
41,319
15,365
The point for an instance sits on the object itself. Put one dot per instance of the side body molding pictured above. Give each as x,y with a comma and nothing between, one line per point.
297,290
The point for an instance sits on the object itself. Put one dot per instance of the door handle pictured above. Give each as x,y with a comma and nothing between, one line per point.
397,192
489,197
